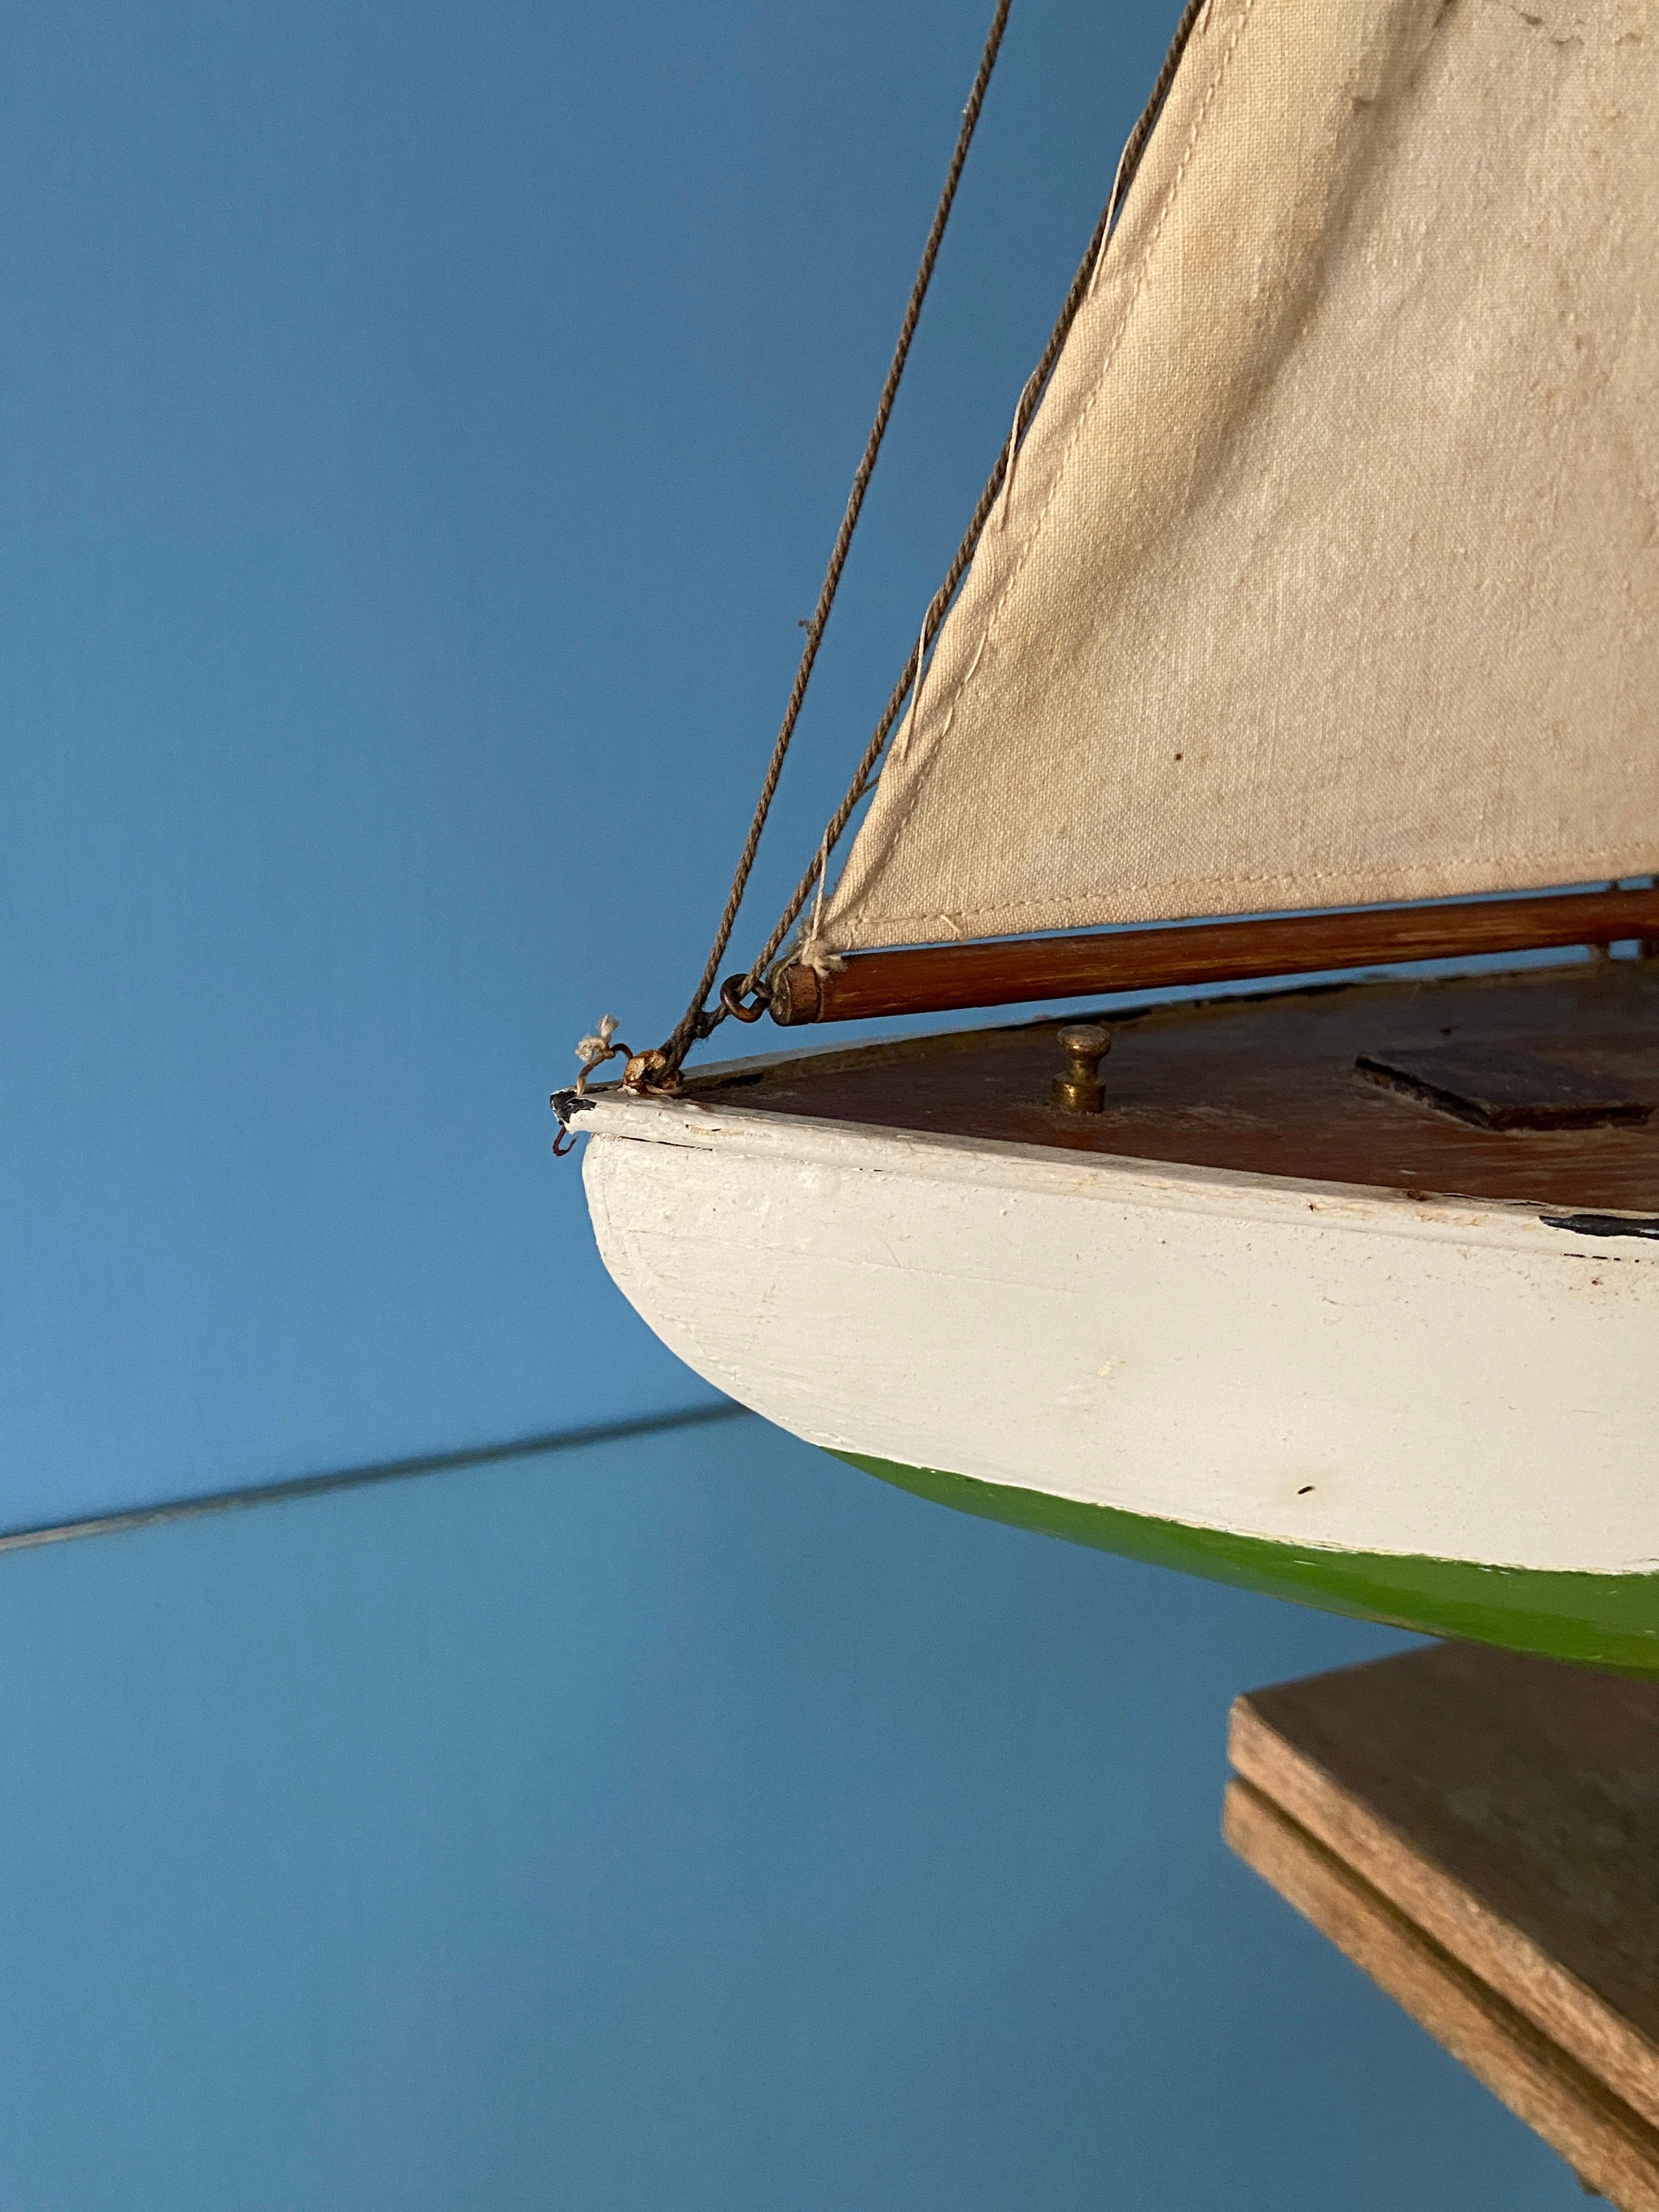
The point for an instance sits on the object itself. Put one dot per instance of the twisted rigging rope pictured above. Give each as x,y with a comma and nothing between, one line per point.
1035,385
659,1069
691,1023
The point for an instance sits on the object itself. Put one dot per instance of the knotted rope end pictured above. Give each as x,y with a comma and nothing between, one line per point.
593,1051
651,1073
813,953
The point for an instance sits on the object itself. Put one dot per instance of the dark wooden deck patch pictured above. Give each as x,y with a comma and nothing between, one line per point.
1499,1086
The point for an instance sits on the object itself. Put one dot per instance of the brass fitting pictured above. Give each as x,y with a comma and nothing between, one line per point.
1080,1090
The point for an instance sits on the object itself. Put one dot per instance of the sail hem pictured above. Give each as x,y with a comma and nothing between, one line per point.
1215,897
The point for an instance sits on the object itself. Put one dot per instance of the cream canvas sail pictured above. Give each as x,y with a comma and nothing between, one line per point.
1329,573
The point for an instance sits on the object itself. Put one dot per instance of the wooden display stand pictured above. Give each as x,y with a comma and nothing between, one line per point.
1480,1834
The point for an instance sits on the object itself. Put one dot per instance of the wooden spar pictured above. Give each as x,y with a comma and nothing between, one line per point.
1003,971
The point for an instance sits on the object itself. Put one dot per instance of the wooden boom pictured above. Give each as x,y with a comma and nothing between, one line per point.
1003,971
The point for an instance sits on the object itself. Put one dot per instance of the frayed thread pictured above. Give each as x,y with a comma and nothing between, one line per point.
593,1051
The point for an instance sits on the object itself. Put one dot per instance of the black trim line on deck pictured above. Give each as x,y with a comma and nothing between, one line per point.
361,1477
1604,1225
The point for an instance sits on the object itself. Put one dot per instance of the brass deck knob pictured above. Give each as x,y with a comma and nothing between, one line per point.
1080,1090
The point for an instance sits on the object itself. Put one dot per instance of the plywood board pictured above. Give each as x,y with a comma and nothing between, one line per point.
1615,2151
1510,1807
1507,1809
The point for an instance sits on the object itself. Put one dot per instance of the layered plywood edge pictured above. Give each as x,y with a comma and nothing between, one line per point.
1480,1834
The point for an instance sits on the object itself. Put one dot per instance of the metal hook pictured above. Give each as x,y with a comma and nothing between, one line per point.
732,1000
563,1104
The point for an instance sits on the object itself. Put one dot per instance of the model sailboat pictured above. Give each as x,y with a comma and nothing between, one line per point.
1321,592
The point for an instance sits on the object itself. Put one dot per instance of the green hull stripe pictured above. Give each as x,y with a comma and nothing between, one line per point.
1600,1620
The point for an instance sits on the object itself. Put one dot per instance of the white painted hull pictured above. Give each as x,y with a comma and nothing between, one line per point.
1306,1365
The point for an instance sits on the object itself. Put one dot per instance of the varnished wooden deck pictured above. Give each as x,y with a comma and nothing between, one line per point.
1270,1083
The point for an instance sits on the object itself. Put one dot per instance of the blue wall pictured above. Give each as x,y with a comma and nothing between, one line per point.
693,1827
421,431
